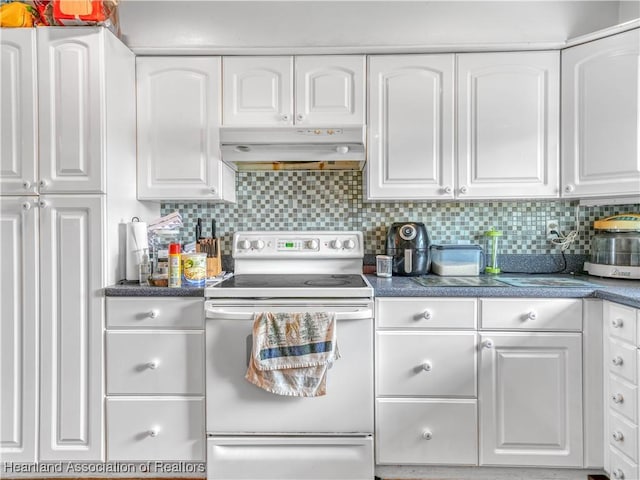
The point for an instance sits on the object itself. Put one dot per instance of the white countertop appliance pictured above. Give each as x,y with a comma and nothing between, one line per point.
615,248
252,433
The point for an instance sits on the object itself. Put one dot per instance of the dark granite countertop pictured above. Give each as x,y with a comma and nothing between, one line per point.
626,292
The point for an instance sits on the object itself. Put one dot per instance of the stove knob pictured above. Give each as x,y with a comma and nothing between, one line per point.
337,244
257,244
349,244
312,244
244,244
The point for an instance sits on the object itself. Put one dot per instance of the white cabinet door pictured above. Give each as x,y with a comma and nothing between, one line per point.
330,90
18,329
508,124
258,91
72,311
71,110
600,123
410,145
530,397
18,111
178,130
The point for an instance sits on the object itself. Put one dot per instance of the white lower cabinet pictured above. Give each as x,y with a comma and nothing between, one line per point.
507,392
426,407
621,401
155,379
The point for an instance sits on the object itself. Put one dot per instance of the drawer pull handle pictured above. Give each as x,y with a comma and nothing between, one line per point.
427,435
532,315
153,314
154,432
488,343
427,315
618,474
618,436
617,398
617,361
617,323
426,366
153,364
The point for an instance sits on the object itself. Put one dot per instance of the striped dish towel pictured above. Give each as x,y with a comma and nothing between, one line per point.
292,352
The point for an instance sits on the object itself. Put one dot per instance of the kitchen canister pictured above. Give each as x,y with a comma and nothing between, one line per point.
194,269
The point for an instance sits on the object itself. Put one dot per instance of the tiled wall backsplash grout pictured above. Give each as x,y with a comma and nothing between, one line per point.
335,200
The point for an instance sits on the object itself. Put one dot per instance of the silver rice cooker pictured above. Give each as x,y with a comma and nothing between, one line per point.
615,248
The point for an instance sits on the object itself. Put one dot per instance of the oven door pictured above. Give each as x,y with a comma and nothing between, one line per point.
235,406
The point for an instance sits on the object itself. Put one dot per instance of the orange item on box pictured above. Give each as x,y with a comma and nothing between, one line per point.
16,14
78,12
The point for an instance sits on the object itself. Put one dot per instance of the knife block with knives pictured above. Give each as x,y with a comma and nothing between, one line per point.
210,246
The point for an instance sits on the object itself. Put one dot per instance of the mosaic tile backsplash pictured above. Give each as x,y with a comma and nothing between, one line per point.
334,200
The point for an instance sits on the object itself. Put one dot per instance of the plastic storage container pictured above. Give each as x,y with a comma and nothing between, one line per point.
456,260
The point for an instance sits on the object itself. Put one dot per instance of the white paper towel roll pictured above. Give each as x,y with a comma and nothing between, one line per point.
136,243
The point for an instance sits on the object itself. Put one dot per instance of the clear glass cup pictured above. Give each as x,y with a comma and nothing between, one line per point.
383,265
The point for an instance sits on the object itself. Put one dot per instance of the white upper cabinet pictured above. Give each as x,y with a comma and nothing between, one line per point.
286,90
600,123
508,124
178,130
71,110
410,146
18,112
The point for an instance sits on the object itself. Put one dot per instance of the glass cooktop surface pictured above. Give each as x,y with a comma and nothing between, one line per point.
310,281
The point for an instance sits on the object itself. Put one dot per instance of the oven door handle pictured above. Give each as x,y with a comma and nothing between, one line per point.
218,314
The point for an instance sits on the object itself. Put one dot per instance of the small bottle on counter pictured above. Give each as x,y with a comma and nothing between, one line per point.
175,275
144,268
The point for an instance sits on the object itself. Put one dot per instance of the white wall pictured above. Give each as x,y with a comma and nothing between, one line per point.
629,10
367,26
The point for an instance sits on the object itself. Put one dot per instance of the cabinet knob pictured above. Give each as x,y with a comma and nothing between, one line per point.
213,191
488,343
617,323
618,474
342,149
448,189
300,117
618,436
285,117
153,432
427,315
617,361
569,188
26,206
43,203
43,183
426,366
427,435
26,184
464,189
153,364
532,315
153,314
617,398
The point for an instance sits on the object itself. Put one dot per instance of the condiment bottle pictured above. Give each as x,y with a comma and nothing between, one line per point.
175,279
144,268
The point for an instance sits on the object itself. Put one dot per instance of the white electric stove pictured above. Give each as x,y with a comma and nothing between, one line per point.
255,434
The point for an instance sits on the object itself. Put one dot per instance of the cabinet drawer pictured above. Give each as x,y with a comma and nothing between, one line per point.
426,363
426,313
623,360
621,467
623,398
426,431
170,363
155,429
624,436
154,312
621,322
531,314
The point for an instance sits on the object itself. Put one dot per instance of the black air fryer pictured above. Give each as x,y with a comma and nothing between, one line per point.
408,243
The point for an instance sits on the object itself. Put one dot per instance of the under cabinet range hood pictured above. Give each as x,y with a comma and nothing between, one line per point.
293,148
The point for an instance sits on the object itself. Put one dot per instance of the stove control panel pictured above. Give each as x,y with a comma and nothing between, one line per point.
298,244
